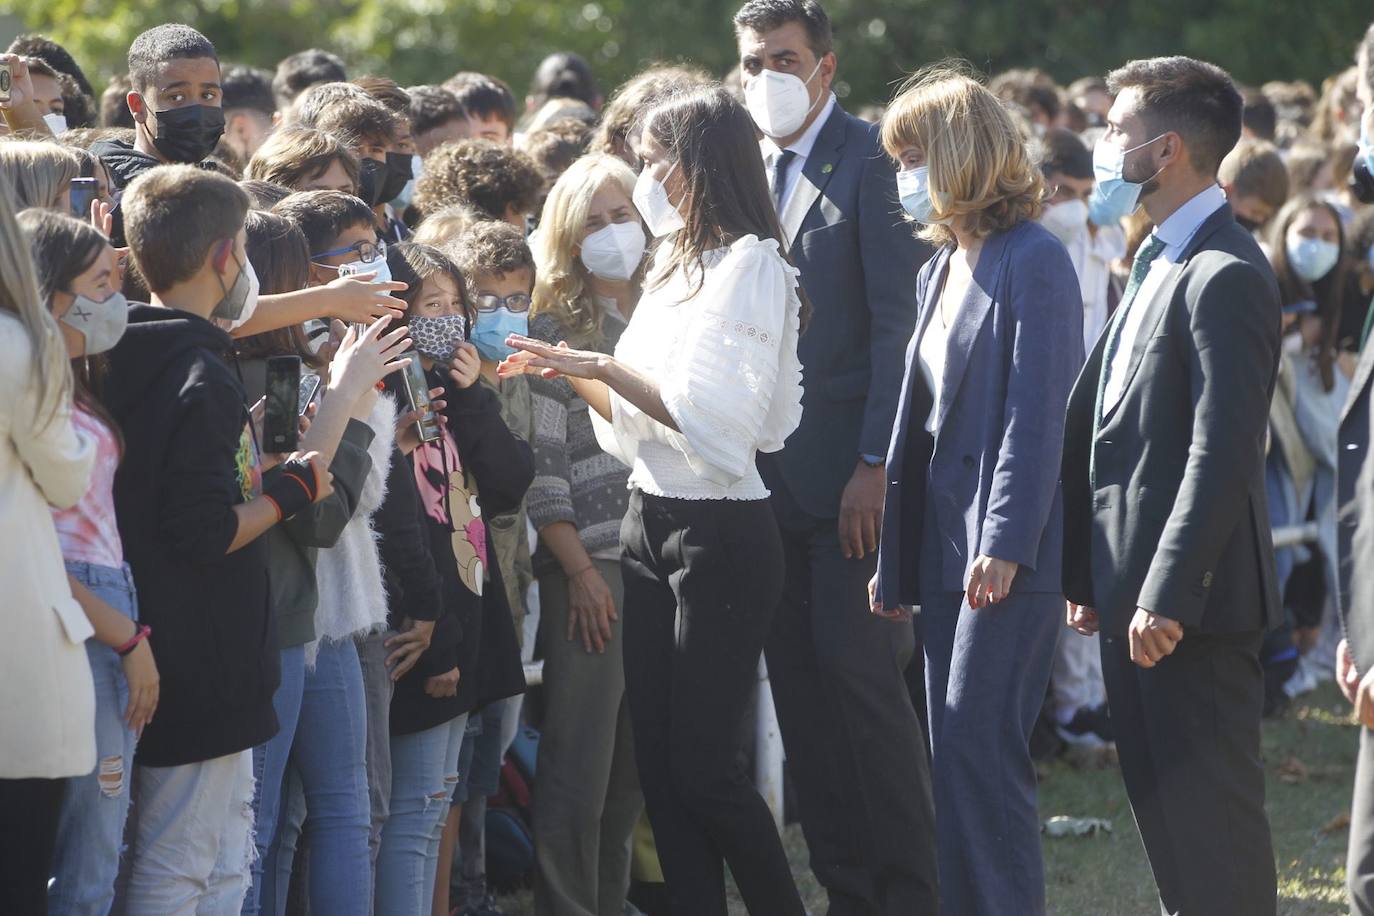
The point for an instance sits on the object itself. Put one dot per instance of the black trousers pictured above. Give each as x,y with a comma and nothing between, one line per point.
701,584
28,843
856,751
1359,864
1188,735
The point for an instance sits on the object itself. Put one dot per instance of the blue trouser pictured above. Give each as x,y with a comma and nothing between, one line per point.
90,829
269,768
987,673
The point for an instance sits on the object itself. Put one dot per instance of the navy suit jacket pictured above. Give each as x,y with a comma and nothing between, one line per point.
992,467
858,259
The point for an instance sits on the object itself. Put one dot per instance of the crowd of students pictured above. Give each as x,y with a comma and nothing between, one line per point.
549,360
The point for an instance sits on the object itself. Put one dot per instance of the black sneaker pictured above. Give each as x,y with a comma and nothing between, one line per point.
1088,728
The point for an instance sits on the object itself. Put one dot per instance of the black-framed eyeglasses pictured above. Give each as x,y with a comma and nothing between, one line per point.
366,251
515,303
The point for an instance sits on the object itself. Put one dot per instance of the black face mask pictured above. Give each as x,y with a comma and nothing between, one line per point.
1249,225
398,171
372,176
189,134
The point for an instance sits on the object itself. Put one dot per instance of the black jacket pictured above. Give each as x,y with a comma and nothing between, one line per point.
1178,520
124,164
475,633
188,461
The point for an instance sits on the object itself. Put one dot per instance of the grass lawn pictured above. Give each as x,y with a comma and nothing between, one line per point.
1309,757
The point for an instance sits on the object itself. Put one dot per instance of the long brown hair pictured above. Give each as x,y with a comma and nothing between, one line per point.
711,138
1327,292
280,256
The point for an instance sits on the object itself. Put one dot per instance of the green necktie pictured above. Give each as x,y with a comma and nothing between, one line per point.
1140,268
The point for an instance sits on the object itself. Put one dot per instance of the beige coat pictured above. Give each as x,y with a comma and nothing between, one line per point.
47,701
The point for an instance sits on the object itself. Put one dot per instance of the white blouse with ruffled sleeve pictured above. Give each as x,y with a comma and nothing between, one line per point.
725,360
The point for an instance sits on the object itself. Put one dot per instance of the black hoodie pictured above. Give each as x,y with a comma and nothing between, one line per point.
188,461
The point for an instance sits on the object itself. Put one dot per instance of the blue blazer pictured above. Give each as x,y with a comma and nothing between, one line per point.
858,260
992,466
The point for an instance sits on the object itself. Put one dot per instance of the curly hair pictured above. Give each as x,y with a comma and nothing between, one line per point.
491,248
489,176
557,145
980,168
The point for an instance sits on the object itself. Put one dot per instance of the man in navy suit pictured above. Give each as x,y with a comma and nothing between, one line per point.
855,749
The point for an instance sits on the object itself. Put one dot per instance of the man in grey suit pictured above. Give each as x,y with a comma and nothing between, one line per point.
1166,537
855,749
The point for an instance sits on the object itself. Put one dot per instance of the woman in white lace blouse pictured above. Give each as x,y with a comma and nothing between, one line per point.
705,376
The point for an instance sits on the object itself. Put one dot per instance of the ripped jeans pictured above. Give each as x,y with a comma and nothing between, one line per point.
90,828
191,838
424,772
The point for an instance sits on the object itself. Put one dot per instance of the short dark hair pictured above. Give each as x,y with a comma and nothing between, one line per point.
412,263
324,215
557,145
248,87
281,258
767,15
304,69
387,91
490,176
1258,114
432,107
293,155
483,96
160,44
114,104
1065,153
54,55
174,215
1254,168
564,75
1195,99
264,195
492,248
1029,88
353,120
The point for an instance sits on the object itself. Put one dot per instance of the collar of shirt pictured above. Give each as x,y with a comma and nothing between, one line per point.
1178,230
803,145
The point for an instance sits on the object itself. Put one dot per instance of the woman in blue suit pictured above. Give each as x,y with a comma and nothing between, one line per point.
972,527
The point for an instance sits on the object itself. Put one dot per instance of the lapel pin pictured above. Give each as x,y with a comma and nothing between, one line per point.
825,169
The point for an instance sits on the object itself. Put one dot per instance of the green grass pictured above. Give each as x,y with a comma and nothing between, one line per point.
1309,757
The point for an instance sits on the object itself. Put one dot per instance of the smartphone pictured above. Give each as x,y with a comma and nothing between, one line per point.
310,383
280,424
417,390
4,81
84,190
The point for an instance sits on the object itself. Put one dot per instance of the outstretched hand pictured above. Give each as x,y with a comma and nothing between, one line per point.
543,359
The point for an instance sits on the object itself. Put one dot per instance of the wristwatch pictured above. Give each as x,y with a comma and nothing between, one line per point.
873,461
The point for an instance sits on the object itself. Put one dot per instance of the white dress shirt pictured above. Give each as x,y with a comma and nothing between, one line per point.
723,350
802,148
1176,232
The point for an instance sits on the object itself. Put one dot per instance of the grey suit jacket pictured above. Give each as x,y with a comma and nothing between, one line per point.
993,464
1355,516
1178,522
858,259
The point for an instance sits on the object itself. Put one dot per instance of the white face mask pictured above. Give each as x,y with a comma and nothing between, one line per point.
101,324
379,266
779,102
1067,220
651,199
250,300
56,122
1311,258
613,252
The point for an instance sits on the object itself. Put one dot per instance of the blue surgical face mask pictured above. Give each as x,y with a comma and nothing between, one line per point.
1113,197
913,187
492,328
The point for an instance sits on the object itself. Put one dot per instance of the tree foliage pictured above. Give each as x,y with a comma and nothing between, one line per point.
878,41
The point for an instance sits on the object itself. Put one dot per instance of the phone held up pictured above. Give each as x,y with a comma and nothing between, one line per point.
281,419
84,191
417,391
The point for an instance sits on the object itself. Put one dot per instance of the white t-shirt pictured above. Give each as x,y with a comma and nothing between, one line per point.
725,360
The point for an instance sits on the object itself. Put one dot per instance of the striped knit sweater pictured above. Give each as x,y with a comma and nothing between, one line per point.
574,480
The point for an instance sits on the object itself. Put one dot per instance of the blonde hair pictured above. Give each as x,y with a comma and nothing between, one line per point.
560,290
447,223
36,173
980,168
20,297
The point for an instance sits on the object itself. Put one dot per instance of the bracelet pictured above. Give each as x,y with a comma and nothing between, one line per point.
143,632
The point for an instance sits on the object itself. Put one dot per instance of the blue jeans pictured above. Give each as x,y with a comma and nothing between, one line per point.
90,828
329,757
424,770
269,768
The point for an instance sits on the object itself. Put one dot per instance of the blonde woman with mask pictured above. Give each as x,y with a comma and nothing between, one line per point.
47,699
588,253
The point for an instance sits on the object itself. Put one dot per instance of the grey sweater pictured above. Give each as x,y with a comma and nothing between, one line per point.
574,480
